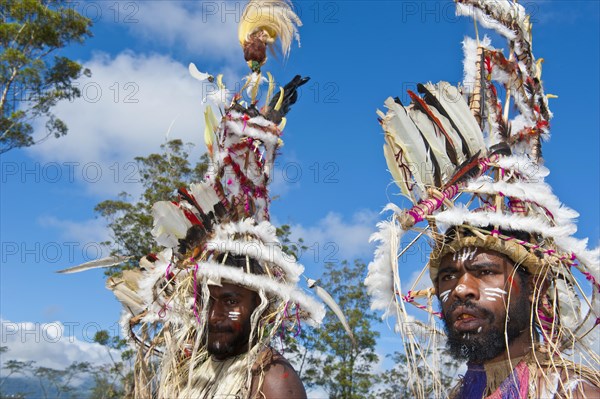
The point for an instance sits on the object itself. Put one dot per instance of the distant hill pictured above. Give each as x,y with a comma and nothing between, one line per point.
29,388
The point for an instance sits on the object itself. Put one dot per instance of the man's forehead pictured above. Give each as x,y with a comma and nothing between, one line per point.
230,289
466,254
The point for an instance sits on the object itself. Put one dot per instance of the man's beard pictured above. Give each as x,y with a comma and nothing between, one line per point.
480,347
234,341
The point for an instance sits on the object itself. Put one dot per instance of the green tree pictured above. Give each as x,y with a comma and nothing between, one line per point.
56,382
333,362
395,383
160,175
14,367
53,383
114,380
33,82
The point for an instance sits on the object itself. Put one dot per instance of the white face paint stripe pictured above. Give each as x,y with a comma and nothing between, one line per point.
495,290
444,295
465,253
234,315
489,298
494,294
472,254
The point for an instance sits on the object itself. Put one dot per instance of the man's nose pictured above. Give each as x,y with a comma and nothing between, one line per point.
216,312
466,288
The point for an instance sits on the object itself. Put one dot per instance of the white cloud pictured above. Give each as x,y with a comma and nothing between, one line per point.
52,344
337,238
204,28
126,109
91,230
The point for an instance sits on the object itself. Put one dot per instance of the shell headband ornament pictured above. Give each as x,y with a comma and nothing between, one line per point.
468,164
224,217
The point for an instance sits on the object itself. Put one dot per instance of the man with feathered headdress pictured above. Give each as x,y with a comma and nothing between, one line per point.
519,297
230,288
203,312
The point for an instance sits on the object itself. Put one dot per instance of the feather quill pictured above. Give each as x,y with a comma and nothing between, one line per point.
196,74
397,124
329,301
108,261
125,289
210,125
444,165
401,178
450,103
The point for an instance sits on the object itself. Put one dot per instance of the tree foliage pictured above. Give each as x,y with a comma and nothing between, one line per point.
115,380
33,82
160,175
343,370
395,382
53,383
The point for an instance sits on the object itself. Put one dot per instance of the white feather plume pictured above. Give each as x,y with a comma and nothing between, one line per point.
169,224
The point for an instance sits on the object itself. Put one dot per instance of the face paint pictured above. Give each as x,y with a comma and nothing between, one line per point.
497,292
229,322
493,293
465,253
444,295
514,286
487,336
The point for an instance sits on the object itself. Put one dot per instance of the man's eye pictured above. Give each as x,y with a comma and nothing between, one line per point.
231,302
486,272
447,277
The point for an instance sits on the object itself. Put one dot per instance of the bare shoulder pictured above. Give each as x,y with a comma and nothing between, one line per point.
578,383
585,390
279,380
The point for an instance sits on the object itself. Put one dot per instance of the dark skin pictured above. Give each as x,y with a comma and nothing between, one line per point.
485,279
231,307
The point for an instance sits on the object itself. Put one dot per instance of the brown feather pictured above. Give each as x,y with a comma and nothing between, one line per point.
469,168
420,104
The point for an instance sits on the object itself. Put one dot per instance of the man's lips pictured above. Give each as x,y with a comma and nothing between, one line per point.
467,319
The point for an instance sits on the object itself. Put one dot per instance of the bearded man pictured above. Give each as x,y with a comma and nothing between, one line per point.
486,298
203,311
231,340
519,295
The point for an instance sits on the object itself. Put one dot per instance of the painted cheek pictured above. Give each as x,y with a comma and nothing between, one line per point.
444,295
513,285
493,294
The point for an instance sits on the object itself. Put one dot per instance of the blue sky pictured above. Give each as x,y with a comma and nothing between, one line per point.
331,178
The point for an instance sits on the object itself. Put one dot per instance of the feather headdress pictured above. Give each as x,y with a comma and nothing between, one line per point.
218,230
471,167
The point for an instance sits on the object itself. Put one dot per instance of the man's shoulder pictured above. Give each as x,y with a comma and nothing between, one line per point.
276,377
572,381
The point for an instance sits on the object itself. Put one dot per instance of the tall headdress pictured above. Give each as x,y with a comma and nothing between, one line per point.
473,171
223,217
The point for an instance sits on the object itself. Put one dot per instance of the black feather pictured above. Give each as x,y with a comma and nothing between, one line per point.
431,100
290,96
